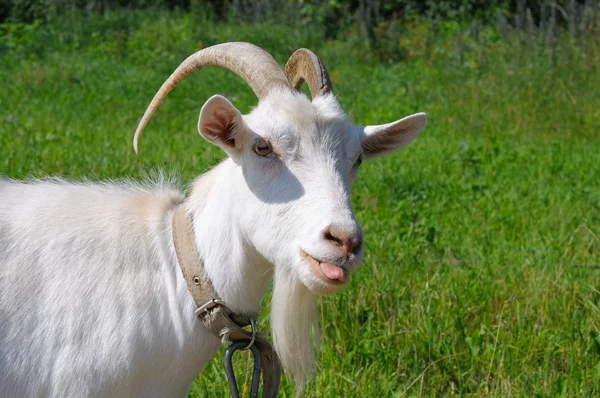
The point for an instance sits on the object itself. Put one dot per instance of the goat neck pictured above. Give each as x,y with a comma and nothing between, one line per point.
238,273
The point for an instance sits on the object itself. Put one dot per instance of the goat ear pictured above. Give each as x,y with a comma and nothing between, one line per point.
222,124
386,138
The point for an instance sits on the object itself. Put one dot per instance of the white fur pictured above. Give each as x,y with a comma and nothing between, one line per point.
92,300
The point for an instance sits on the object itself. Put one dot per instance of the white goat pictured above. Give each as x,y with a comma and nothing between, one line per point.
92,300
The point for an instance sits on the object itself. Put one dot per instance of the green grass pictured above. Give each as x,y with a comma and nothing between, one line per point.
482,256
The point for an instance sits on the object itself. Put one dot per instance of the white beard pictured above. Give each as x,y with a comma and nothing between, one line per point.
294,323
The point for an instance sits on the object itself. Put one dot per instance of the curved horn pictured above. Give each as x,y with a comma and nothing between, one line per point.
304,65
253,64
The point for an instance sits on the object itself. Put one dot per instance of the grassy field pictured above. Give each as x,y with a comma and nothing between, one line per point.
481,274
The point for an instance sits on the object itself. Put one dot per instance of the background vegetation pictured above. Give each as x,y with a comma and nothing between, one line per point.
482,267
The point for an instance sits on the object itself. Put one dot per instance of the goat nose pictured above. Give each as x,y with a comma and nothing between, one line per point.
349,242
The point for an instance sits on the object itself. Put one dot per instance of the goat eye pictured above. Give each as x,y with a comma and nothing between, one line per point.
358,161
262,147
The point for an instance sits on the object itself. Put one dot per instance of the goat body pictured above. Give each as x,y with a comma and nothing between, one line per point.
95,298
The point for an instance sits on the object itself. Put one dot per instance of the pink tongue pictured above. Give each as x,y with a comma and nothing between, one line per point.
333,272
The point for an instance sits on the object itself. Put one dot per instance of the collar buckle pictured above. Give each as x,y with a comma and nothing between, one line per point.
209,305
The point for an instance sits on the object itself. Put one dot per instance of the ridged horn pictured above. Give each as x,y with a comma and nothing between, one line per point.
253,64
304,65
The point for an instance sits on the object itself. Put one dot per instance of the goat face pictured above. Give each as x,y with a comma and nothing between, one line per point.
298,160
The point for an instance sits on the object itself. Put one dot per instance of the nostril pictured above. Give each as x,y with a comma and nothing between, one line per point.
332,238
350,243
355,244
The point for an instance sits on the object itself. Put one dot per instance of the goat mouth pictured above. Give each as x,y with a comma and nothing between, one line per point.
327,272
